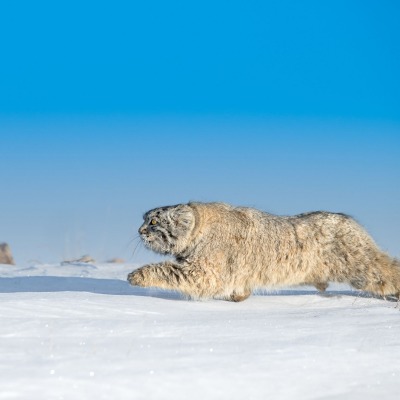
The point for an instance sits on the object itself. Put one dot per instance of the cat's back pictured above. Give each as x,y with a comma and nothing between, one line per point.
324,220
325,226
218,211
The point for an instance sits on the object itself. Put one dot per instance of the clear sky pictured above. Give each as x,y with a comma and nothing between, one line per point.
110,108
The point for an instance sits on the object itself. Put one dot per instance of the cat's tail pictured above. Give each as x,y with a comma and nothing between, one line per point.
384,276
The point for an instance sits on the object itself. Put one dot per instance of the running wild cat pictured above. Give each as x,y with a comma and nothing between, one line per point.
226,252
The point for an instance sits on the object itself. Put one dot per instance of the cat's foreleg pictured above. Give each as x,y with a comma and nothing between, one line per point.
190,280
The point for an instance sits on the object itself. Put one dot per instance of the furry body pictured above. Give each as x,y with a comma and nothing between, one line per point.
226,252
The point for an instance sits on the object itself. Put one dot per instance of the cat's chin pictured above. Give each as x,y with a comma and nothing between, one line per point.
157,247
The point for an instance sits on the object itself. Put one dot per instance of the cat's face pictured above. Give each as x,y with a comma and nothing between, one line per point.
167,230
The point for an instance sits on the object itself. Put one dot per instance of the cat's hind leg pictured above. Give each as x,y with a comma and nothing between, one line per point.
238,296
321,286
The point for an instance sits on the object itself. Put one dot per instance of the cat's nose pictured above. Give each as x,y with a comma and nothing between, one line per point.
142,230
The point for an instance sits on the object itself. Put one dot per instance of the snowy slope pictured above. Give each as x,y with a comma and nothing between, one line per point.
81,332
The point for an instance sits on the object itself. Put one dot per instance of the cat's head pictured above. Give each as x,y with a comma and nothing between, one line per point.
167,230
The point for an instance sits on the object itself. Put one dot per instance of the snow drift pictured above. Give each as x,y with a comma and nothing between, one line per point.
80,331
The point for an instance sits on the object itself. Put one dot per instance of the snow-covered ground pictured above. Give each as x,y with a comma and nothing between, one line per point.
81,332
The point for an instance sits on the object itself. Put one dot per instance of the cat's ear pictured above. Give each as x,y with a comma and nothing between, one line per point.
182,214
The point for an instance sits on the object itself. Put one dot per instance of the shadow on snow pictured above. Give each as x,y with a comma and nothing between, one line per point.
75,284
121,288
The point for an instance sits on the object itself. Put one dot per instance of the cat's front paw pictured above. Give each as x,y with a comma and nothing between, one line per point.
137,278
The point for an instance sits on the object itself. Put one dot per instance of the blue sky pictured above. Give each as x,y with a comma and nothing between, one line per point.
285,58
110,108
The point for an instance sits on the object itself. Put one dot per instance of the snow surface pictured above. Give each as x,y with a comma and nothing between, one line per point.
81,332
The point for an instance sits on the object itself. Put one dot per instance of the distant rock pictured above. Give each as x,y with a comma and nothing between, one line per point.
116,261
5,254
86,259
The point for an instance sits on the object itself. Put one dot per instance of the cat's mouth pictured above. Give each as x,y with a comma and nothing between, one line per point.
147,239
154,243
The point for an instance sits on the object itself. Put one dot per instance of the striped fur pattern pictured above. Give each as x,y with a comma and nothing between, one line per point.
226,252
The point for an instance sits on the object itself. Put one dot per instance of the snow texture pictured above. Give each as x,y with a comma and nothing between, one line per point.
81,332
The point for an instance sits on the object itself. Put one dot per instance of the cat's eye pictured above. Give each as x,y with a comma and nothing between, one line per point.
153,222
